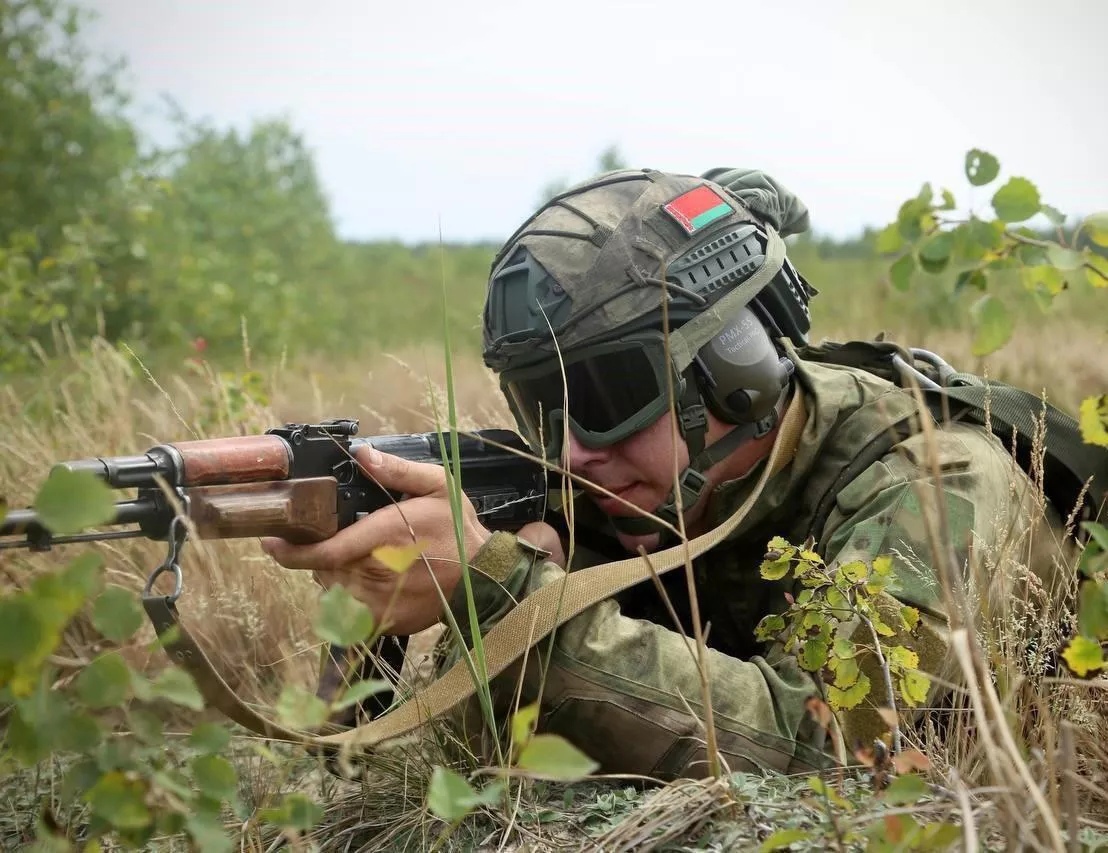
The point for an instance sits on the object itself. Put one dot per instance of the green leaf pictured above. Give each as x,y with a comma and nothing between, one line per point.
855,571
176,685
902,656
215,777
769,627
209,833
554,757
836,600
906,789
210,738
1097,532
22,632
1096,227
847,672
1093,420
342,619
296,811
782,838
971,278
146,726
1016,201
70,501
981,236
81,734
910,617
299,709
449,796
116,614
814,654
119,801
992,325
1083,655
883,565
775,571
889,240
1064,258
911,218
1043,279
914,687
981,167
948,200
900,273
843,699
935,252
524,722
1092,609
1055,216
360,690
105,683
1096,270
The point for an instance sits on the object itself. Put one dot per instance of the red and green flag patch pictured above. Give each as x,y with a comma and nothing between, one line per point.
697,208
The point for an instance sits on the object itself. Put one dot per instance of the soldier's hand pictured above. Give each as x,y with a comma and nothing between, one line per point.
403,603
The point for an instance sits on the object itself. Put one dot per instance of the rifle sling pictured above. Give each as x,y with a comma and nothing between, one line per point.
531,620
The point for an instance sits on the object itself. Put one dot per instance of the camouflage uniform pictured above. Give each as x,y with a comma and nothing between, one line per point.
618,686
621,679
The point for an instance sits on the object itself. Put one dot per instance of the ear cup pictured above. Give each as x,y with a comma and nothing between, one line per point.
741,373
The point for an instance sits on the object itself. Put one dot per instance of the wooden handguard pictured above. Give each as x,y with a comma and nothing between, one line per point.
246,459
300,511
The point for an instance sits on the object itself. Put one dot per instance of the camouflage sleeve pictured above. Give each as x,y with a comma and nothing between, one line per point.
627,692
992,517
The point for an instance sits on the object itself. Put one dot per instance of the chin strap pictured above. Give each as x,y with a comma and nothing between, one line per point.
693,420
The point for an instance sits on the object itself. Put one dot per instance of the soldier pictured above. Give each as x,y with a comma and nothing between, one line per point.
648,329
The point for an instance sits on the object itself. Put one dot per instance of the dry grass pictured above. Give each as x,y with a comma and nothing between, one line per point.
254,617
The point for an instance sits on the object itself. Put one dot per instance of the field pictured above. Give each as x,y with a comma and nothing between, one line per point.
90,397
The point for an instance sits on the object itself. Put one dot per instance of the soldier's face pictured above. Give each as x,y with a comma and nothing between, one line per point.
639,470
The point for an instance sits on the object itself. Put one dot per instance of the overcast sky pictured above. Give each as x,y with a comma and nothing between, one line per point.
427,111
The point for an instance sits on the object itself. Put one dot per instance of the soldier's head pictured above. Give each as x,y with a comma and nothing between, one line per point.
641,293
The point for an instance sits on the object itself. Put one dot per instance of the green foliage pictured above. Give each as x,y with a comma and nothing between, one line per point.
829,599
342,619
988,254
70,501
127,781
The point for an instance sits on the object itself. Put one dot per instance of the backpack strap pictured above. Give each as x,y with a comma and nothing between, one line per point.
1073,471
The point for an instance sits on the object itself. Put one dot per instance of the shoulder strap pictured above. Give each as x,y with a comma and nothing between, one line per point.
1073,470
1070,465
531,620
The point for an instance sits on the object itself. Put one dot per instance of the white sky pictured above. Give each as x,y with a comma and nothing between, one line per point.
437,110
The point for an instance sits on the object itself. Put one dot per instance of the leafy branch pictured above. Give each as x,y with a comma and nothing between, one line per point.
818,627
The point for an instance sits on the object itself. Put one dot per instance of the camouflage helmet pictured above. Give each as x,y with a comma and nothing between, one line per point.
581,285
595,260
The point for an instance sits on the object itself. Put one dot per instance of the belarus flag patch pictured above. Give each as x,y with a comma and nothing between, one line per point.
697,208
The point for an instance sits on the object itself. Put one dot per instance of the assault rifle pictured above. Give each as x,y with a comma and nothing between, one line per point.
299,482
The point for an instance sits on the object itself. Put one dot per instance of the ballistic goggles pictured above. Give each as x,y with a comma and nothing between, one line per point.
609,391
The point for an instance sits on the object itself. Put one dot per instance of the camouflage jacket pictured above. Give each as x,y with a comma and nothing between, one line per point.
621,680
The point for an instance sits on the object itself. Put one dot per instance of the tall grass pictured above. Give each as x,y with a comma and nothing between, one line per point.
1022,724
